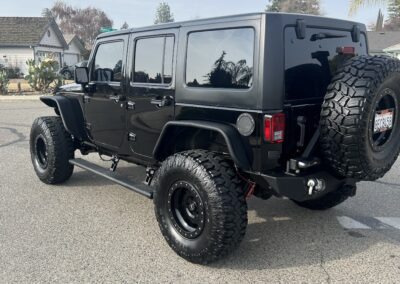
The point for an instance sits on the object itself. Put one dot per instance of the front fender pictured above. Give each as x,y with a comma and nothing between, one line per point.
70,112
238,151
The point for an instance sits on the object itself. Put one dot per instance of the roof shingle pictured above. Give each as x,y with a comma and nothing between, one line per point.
23,31
378,41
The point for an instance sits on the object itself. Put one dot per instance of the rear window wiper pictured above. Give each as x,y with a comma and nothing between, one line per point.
320,36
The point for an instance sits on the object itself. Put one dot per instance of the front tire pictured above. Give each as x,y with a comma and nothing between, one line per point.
200,205
51,148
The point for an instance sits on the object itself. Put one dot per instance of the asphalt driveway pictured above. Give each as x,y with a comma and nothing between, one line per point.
89,230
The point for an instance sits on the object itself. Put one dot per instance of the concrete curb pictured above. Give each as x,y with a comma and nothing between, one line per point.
20,98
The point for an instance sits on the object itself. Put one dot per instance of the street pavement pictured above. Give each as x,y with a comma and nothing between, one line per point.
90,230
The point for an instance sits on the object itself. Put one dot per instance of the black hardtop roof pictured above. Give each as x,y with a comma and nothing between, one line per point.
289,16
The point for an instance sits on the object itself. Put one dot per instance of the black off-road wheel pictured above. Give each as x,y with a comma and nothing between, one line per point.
67,75
200,205
51,148
360,127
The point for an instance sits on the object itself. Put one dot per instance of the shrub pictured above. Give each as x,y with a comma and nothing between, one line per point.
43,76
4,81
13,72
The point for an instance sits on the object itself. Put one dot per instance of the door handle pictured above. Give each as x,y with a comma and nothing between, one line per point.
117,98
165,101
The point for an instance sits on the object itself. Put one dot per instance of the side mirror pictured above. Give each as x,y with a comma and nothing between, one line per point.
81,75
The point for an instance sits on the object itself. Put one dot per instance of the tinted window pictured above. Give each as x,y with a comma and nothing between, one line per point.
169,54
311,62
151,64
220,59
108,62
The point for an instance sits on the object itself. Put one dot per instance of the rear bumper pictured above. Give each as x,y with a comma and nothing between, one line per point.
295,187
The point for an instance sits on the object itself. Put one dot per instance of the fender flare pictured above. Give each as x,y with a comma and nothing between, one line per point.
240,152
70,112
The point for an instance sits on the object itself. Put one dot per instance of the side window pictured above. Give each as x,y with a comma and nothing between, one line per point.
153,60
107,65
220,59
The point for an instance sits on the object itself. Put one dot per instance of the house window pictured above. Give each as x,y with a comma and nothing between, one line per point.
220,58
48,33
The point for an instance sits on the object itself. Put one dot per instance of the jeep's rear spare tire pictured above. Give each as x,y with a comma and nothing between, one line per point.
360,129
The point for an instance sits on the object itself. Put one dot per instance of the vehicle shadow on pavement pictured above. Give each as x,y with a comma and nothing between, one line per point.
282,235
279,235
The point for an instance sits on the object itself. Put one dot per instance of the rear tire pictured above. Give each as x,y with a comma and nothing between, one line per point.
51,148
213,221
364,86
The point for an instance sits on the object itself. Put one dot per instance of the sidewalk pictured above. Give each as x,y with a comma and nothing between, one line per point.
20,97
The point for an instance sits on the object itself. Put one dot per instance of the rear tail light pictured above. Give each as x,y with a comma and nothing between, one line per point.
274,128
346,50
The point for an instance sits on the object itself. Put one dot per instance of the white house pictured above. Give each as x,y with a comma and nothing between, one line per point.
386,42
24,38
75,49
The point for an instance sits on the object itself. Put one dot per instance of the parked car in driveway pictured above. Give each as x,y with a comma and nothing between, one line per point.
68,71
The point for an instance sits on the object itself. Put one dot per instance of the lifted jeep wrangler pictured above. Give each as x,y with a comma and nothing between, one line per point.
219,109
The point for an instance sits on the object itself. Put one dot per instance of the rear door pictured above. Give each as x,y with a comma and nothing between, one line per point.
151,90
104,104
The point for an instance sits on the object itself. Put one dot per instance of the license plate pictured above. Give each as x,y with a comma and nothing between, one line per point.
383,120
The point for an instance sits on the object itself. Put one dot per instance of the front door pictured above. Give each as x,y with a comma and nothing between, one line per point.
104,104
151,92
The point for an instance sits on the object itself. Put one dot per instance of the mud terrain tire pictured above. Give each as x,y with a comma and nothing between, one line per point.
362,87
209,182
51,148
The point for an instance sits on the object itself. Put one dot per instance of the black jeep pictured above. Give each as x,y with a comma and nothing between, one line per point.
219,109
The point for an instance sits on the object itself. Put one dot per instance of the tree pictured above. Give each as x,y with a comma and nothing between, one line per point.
46,12
85,23
228,74
357,4
378,25
394,9
163,14
295,6
393,22
125,26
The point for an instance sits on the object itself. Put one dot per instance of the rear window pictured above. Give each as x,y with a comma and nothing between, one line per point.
311,62
220,58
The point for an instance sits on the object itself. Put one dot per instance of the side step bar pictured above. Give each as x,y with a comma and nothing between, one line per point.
134,186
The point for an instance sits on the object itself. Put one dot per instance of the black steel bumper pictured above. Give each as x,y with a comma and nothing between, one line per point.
295,187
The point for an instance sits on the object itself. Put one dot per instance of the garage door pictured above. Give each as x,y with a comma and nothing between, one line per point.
70,59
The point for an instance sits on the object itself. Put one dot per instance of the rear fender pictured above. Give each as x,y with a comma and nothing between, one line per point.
239,150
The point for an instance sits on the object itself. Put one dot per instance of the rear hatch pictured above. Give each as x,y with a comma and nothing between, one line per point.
312,56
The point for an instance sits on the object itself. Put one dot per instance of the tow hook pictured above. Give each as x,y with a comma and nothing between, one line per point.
315,185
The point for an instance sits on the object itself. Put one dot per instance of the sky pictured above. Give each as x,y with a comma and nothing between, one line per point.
141,12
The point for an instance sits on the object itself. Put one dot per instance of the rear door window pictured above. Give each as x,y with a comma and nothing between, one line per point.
153,60
311,62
